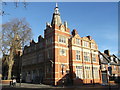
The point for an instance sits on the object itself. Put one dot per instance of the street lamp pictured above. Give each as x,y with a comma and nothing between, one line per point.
109,69
109,73
20,78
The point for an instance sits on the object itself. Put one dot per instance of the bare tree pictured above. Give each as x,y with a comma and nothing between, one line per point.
15,34
15,3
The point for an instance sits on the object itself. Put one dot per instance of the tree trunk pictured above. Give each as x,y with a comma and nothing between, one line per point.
9,71
10,64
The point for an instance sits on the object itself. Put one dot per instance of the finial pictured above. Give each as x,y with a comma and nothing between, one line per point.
56,9
56,5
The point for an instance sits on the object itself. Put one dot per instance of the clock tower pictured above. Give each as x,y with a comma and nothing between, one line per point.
57,35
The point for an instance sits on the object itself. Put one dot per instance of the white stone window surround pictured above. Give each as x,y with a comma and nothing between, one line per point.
79,72
86,56
87,71
78,54
77,41
93,57
93,45
85,44
62,39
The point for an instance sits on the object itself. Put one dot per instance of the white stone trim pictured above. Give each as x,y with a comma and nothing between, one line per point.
61,63
56,42
62,31
62,47
96,52
76,48
86,50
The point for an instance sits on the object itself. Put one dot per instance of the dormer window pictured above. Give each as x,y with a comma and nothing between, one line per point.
116,60
101,57
111,59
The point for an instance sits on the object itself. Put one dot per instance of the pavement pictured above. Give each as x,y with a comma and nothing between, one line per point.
28,86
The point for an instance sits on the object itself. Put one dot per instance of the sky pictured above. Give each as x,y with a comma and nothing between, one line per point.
97,19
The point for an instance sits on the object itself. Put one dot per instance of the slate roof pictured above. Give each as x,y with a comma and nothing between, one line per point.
108,59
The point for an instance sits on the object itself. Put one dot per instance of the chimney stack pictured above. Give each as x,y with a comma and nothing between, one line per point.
89,37
40,38
74,32
107,52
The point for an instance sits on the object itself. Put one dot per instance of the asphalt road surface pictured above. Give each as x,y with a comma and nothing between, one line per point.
25,86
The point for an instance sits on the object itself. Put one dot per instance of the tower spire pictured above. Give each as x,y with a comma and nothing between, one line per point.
56,11
56,4
56,19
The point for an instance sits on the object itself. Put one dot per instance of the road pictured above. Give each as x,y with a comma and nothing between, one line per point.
25,86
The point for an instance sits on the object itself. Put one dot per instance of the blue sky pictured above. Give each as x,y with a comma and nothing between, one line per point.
97,19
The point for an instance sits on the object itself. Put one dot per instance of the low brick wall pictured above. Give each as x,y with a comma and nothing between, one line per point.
6,81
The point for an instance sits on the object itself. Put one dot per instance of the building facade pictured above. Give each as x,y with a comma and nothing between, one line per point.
110,67
61,57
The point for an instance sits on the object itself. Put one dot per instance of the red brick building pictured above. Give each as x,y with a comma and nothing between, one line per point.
61,57
110,67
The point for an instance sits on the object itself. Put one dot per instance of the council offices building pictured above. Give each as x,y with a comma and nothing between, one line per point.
61,57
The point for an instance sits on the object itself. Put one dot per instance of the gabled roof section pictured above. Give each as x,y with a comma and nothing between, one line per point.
117,60
107,58
32,42
89,38
93,41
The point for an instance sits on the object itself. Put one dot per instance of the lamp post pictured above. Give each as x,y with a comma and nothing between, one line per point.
21,70
109,73
20,79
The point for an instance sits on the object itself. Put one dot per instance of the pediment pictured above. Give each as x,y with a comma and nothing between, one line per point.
85,38
93,41
77,36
